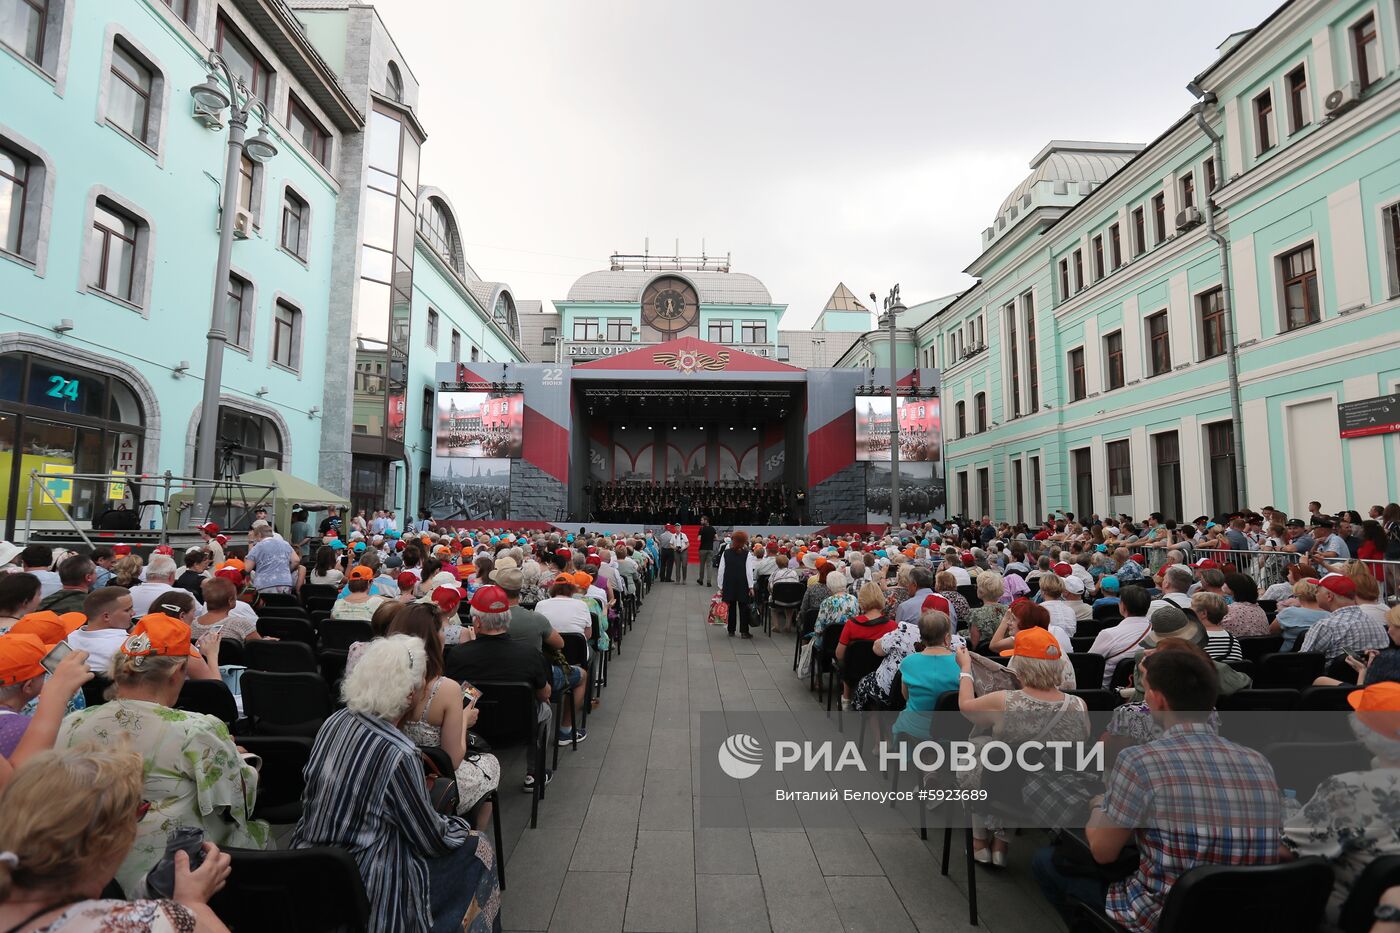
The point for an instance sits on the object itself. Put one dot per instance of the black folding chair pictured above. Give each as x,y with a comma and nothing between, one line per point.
231,652
1302,766
1088,669
969,593
1325,699
211,697
1122,674
1282,896
281,779
1291,669
310,591
316,890
287,629
342,633
785,595
95,690
282,656
1259,700
1109,613
268,600
1383,872
824,662
284,704
509,714
808,623
577,653
1256,646
860,660
283,612
1098,700
333,663
760,604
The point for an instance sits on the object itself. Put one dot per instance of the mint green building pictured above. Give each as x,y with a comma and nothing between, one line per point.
1087,369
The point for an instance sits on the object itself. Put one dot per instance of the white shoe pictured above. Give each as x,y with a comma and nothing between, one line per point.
845,703
998,857
982,856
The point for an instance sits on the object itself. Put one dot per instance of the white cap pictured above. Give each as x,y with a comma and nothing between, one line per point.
1074,585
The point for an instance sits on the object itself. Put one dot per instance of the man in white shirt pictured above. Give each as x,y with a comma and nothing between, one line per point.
109,614
565,613
1119,641
680,546
1175,584
38,560
160,578
958,569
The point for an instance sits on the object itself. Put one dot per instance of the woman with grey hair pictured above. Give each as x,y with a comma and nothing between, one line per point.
365,793
1352,817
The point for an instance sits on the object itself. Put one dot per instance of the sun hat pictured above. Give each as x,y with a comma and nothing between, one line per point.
503,563
21,658
511,579
1170,622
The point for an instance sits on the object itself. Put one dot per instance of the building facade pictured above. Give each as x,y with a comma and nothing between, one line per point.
1087,369
109,209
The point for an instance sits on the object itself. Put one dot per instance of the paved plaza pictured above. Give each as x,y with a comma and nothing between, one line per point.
627,836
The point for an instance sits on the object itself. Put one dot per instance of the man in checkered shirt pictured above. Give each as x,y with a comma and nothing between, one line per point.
1348,627
1189,798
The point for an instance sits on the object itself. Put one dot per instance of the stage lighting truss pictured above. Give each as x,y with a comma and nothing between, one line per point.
685,395
496,388
907,391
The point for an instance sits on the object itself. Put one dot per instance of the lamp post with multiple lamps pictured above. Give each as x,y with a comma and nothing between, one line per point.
211,100
893,309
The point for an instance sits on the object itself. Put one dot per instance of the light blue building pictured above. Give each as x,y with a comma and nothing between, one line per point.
1087,369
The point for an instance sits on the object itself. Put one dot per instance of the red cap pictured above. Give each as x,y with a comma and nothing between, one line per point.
1062,569
448,598
934,601
489,599
1138,558
163,549
1206,563
594,560
967,558
121,550
209,528
564,554
1338,584
406,580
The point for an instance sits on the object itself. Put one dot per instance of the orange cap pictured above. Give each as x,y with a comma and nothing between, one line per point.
1036,643
232,563
158,635
1377,706
20,658
360,572
583,579
50,627
468,550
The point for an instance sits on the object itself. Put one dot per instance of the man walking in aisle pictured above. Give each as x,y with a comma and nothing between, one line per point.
663,541
707,549
680,563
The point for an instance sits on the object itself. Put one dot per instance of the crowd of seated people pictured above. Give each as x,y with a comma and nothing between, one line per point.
727,502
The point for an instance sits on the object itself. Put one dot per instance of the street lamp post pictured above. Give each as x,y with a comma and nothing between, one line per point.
893,308
210,102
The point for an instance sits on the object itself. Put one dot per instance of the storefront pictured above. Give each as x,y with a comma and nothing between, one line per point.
58,418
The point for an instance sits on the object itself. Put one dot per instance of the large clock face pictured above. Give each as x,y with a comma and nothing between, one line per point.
669,306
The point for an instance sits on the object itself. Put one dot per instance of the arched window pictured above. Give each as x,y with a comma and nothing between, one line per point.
61,418
961,409
438,227
247,442
980,401
393,84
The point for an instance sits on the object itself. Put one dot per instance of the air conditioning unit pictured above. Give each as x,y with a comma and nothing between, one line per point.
242,225
1342,99
1187,218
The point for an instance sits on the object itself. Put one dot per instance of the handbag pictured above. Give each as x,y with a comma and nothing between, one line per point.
441,779
719,611
804,661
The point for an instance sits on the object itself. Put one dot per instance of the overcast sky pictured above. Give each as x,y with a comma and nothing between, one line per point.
867,142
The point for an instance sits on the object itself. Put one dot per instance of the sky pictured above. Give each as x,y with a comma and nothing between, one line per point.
867,142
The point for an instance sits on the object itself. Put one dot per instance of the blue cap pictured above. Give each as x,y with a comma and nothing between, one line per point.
336,543
568,537
1109,582
1101,548
359,546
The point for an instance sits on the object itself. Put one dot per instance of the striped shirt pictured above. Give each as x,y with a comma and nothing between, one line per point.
365,792
1194,799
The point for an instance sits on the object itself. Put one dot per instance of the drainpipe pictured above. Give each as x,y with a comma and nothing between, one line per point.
1208,99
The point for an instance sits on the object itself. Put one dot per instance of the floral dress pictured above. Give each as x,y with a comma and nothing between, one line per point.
194,776
1245,619
122,917
477,775
985,620
833,611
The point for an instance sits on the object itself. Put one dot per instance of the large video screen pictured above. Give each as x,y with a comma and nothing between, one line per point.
469,490
479,424
920,429
922,495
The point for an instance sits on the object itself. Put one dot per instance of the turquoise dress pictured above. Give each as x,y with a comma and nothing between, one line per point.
926,676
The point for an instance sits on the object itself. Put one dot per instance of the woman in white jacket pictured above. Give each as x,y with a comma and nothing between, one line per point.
737,569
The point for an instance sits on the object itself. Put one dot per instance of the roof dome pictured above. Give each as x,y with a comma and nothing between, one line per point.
1067,162
713,288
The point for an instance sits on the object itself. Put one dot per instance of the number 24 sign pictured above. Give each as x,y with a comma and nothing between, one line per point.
61,387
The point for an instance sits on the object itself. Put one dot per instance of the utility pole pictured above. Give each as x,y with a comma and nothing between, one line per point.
893,308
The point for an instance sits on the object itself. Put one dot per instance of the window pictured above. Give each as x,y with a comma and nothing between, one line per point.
426,416
965,505
22,27
1390,218
586,328
619,330
1115,247
721,332
754,332
238,54
286,335
456,347
307,130
110,265
1264,122
129,95
1083,481
476,354
551,334
1078,387
247,180
436,225
258,446
296,216
1032,361
984,490
185,9
1014,348
1212,308
961,411
14,193
1035,488
1188,191
1064,278
979,403
1220,440
1017,477
1113,360
1078,270
393,83
1297,84
1120,468
1098,257
1159,351
1367,51
433,325
238,312
1139,233
1168,450
1208,169
1301,305
1159,219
